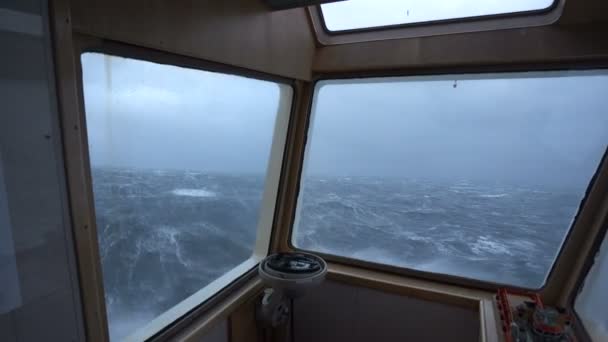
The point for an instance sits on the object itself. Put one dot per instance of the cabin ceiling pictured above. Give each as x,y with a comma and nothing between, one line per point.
584,11
285,4
247,33
242,33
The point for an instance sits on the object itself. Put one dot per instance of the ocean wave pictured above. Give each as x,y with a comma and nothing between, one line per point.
193,193
421,210
428,226
493,195
411,236
485,245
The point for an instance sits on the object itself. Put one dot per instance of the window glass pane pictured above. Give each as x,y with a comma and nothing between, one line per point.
361,14
591,301
179,158
478,176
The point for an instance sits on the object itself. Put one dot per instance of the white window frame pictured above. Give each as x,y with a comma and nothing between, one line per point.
287,95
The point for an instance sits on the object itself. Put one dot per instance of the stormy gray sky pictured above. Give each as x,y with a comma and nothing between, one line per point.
533,128
354,14
153,116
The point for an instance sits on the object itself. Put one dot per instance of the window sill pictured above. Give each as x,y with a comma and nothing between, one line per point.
481,301
181,309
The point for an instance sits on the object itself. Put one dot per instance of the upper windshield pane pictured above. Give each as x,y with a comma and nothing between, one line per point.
361,14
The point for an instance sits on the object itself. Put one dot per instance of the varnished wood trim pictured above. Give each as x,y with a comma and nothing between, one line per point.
290,182
490,321
242,33
470,299
421,289
197,329
540,45
243,324
78,178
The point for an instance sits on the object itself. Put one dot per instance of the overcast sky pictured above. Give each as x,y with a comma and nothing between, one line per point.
146,115
517,127
529,128
355,14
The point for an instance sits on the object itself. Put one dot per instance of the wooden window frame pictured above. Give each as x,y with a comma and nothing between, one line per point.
561,279
77,164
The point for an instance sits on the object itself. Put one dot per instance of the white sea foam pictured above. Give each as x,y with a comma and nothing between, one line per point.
415,237
527,245
193,192
485,245
493,195
332,197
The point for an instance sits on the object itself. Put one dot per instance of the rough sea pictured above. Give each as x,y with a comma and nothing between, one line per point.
165,234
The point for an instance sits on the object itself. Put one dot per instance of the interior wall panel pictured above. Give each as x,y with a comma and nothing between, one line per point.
242,33
41,285
341,312
218,333
243,323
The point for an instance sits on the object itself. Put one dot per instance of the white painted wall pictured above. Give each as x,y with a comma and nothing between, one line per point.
592,302
33,203
10,295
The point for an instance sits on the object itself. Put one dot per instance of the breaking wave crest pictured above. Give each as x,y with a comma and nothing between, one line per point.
193,193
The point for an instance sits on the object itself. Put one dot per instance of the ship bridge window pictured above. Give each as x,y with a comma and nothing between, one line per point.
184,170
475,176
367,14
